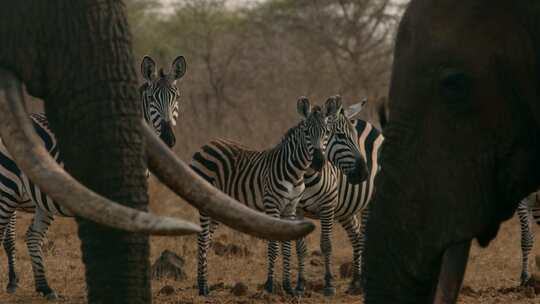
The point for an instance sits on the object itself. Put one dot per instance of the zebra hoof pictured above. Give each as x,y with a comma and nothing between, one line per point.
329,291
288,289
300,288
525,279
355,288
52,296
203,291
269,286
11,288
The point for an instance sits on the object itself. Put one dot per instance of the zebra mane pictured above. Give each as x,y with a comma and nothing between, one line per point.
290,132
317,111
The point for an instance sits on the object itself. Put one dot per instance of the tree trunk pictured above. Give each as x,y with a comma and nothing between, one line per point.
100,139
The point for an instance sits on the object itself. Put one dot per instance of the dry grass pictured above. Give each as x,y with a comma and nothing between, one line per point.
490,271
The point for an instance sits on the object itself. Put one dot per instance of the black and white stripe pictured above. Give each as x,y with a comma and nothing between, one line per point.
527,207
159,95
270,181
330,196
18,192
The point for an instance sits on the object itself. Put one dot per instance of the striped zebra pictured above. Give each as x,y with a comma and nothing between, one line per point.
271,181
159,96
528,207
332,196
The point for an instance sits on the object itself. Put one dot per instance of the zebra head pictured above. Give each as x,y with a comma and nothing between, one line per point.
343,150
159,95
315,131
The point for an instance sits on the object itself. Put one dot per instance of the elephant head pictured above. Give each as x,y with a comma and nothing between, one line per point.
461,144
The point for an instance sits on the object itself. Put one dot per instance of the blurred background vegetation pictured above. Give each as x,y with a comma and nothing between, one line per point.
248,61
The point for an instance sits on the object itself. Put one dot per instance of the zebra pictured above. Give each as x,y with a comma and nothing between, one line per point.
331,196
527,207
159,95
252,176
270,181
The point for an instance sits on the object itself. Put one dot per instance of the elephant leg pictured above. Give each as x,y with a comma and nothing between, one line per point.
204,241
9,247
526,239
273,248
352,227
34,241
327,222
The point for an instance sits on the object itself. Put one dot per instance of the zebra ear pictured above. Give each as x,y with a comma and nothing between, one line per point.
303,106
333,105
354,109
148,68
178,68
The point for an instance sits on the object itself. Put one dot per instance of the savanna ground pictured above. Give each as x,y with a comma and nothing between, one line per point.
491,276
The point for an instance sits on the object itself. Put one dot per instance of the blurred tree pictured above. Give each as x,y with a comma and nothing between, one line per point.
212,36
358,35
247,64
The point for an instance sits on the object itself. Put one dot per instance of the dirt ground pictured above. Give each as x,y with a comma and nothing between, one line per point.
492,273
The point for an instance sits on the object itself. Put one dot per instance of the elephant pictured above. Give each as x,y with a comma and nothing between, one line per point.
461,143
77,57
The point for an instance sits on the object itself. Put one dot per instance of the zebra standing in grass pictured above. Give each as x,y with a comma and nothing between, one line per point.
159,96
332,196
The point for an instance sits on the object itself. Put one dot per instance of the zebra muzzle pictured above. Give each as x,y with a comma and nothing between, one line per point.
167,134
359,173
33,159
319,159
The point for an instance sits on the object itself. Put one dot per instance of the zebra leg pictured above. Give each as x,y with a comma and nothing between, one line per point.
352,227
9,247
203,241
327,222
301,252
273,247
34,241
526,239
286,252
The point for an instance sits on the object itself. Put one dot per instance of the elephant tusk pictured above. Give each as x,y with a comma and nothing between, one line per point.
29,154
454,263
176,175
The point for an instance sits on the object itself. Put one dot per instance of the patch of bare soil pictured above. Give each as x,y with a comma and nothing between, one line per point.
237,268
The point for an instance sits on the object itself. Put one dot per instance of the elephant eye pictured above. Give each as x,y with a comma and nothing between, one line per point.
455,85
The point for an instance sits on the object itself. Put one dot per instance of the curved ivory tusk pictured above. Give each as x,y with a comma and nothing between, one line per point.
24,146
198,192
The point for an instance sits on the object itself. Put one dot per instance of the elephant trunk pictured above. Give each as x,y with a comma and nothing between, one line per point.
453,265
403,243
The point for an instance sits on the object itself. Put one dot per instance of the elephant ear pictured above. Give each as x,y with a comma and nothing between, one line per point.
148,68
354,109
333,105
178,68
303,106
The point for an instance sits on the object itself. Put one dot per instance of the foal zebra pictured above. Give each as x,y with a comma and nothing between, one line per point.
159,96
